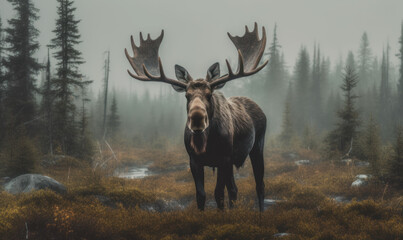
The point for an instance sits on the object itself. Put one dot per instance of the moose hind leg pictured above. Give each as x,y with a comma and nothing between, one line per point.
231,186
256,156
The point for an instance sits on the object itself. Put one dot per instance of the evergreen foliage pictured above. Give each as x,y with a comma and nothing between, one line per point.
400,82
287,129
68,78
395,173
113,119
21,66
372,147
342,137
18,153
364,62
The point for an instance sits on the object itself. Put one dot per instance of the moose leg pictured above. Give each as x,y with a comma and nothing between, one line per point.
219,188
256,156
231,186
198,176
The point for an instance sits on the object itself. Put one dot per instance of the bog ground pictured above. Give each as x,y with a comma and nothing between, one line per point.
314,200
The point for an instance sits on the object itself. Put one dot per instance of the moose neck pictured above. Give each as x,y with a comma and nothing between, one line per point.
198,141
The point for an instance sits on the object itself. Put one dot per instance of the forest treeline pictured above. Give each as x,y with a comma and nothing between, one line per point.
351,107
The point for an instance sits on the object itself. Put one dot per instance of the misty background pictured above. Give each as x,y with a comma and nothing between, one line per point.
195,37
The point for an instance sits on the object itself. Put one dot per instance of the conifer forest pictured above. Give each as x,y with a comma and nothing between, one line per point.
104,135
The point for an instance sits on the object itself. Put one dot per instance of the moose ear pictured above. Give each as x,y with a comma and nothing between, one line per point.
213,72
183,76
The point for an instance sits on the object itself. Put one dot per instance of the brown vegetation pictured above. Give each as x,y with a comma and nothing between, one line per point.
306,209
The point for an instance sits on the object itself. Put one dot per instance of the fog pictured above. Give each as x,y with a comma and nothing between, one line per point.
195,31
195,37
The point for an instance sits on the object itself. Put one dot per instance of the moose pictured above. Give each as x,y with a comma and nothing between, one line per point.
220,132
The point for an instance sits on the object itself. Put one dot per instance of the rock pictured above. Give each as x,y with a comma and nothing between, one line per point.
361,180
359,183
290,155
52,160
361,164
32,182
106,201
280,235
163,205
340,199
269,202
362,176
347,161
302,162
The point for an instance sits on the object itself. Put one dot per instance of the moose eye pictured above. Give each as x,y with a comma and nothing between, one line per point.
187,95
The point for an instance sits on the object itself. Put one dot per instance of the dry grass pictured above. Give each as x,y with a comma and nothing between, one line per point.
307,210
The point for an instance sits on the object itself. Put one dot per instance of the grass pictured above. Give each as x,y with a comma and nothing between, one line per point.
307,210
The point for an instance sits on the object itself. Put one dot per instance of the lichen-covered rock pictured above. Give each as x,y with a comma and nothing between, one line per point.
32,182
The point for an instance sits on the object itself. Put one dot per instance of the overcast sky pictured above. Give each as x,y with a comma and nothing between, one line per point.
195,31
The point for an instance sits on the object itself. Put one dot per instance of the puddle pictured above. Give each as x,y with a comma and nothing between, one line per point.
133,172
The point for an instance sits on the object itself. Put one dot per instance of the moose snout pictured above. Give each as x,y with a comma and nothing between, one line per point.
198,121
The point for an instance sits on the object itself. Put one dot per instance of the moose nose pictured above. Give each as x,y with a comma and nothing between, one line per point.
198,121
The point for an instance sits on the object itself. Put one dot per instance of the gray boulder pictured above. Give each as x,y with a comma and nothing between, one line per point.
361,180
32,182
302,162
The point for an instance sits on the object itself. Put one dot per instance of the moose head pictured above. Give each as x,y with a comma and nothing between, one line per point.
148,67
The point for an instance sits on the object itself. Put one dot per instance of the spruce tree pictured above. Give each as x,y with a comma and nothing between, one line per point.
2,79
345,133
85,147
275,67
364,62
113,119
47,108
384,96
395,173
302,70
316,88
372,147
2,83
400,82
287,129
68,77
21,66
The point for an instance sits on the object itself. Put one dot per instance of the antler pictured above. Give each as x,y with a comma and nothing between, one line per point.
146,62
250,51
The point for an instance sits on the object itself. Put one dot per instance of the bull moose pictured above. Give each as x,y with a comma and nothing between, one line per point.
220,132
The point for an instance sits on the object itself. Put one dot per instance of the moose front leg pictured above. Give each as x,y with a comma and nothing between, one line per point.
219,188
198,176
231,186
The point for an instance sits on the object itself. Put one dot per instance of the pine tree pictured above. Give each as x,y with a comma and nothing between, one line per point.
287,129
47,108
21,66
2,83
275,67
342,137
372,147
395,173
302,70
350,61
85,148
68,77
316,87
384,95
364,62
400,83
113,119
2,79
